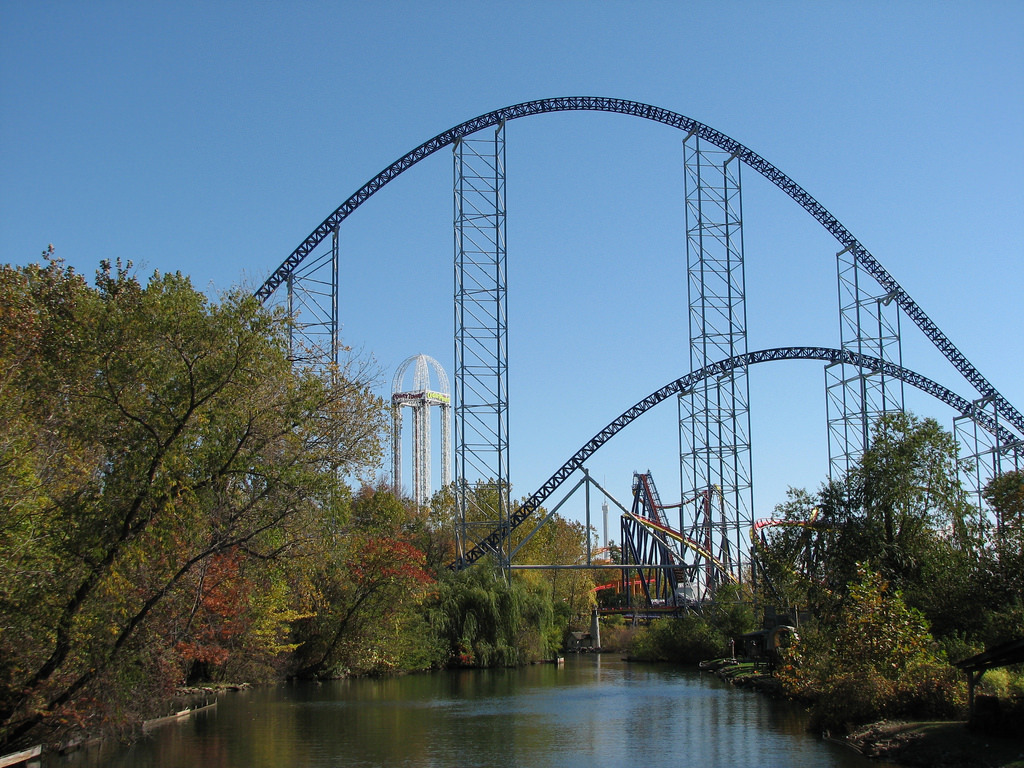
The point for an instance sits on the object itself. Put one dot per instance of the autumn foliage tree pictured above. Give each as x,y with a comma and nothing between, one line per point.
561,541
366,593
154,446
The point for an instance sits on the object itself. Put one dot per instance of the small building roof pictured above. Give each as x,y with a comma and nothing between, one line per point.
1001,655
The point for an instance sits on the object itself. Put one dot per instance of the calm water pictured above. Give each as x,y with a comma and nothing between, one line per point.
594,711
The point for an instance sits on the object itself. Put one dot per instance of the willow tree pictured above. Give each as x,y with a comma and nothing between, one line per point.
561,541
147,433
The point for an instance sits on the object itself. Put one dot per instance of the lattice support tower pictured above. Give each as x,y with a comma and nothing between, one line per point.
311,298
481,342
714,415
869,324
984,453
421,398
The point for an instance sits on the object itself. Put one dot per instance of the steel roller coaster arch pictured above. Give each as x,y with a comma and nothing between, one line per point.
826,354
691,127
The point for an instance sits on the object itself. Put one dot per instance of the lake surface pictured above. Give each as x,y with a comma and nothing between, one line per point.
594,711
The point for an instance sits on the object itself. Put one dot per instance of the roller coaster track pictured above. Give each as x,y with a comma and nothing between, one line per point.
769,522
827,354
691,127
809,524
675,535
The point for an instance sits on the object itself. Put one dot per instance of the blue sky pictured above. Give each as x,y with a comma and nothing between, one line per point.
212,137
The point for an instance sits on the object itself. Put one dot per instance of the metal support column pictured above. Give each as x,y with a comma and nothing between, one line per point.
396,448
481,343
714,416
312,305
983,456
869,324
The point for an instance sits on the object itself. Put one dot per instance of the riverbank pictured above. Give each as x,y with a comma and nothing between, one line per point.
186,702
945,744
938,744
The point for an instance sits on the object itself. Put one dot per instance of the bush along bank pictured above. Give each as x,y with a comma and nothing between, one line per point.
875,659
874,678
904,577
694,637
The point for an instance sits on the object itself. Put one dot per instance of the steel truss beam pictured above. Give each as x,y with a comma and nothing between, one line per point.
827,354
689,126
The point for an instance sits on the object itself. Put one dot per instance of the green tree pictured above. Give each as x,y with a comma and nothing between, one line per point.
560,541
999,586
434,531
1005,494
909,488
874,659
697,636
786,554
148,432
687,639
730,610
484,620
901,509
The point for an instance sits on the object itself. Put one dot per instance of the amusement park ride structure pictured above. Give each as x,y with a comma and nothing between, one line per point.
690,570
864,377
421,398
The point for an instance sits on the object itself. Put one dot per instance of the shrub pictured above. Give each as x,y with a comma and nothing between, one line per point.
930,690
687,639
850,698
731,611
995,682
616,634
876,660
958,646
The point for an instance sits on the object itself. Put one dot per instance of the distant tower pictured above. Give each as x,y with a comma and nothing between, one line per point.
604,514
420,398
